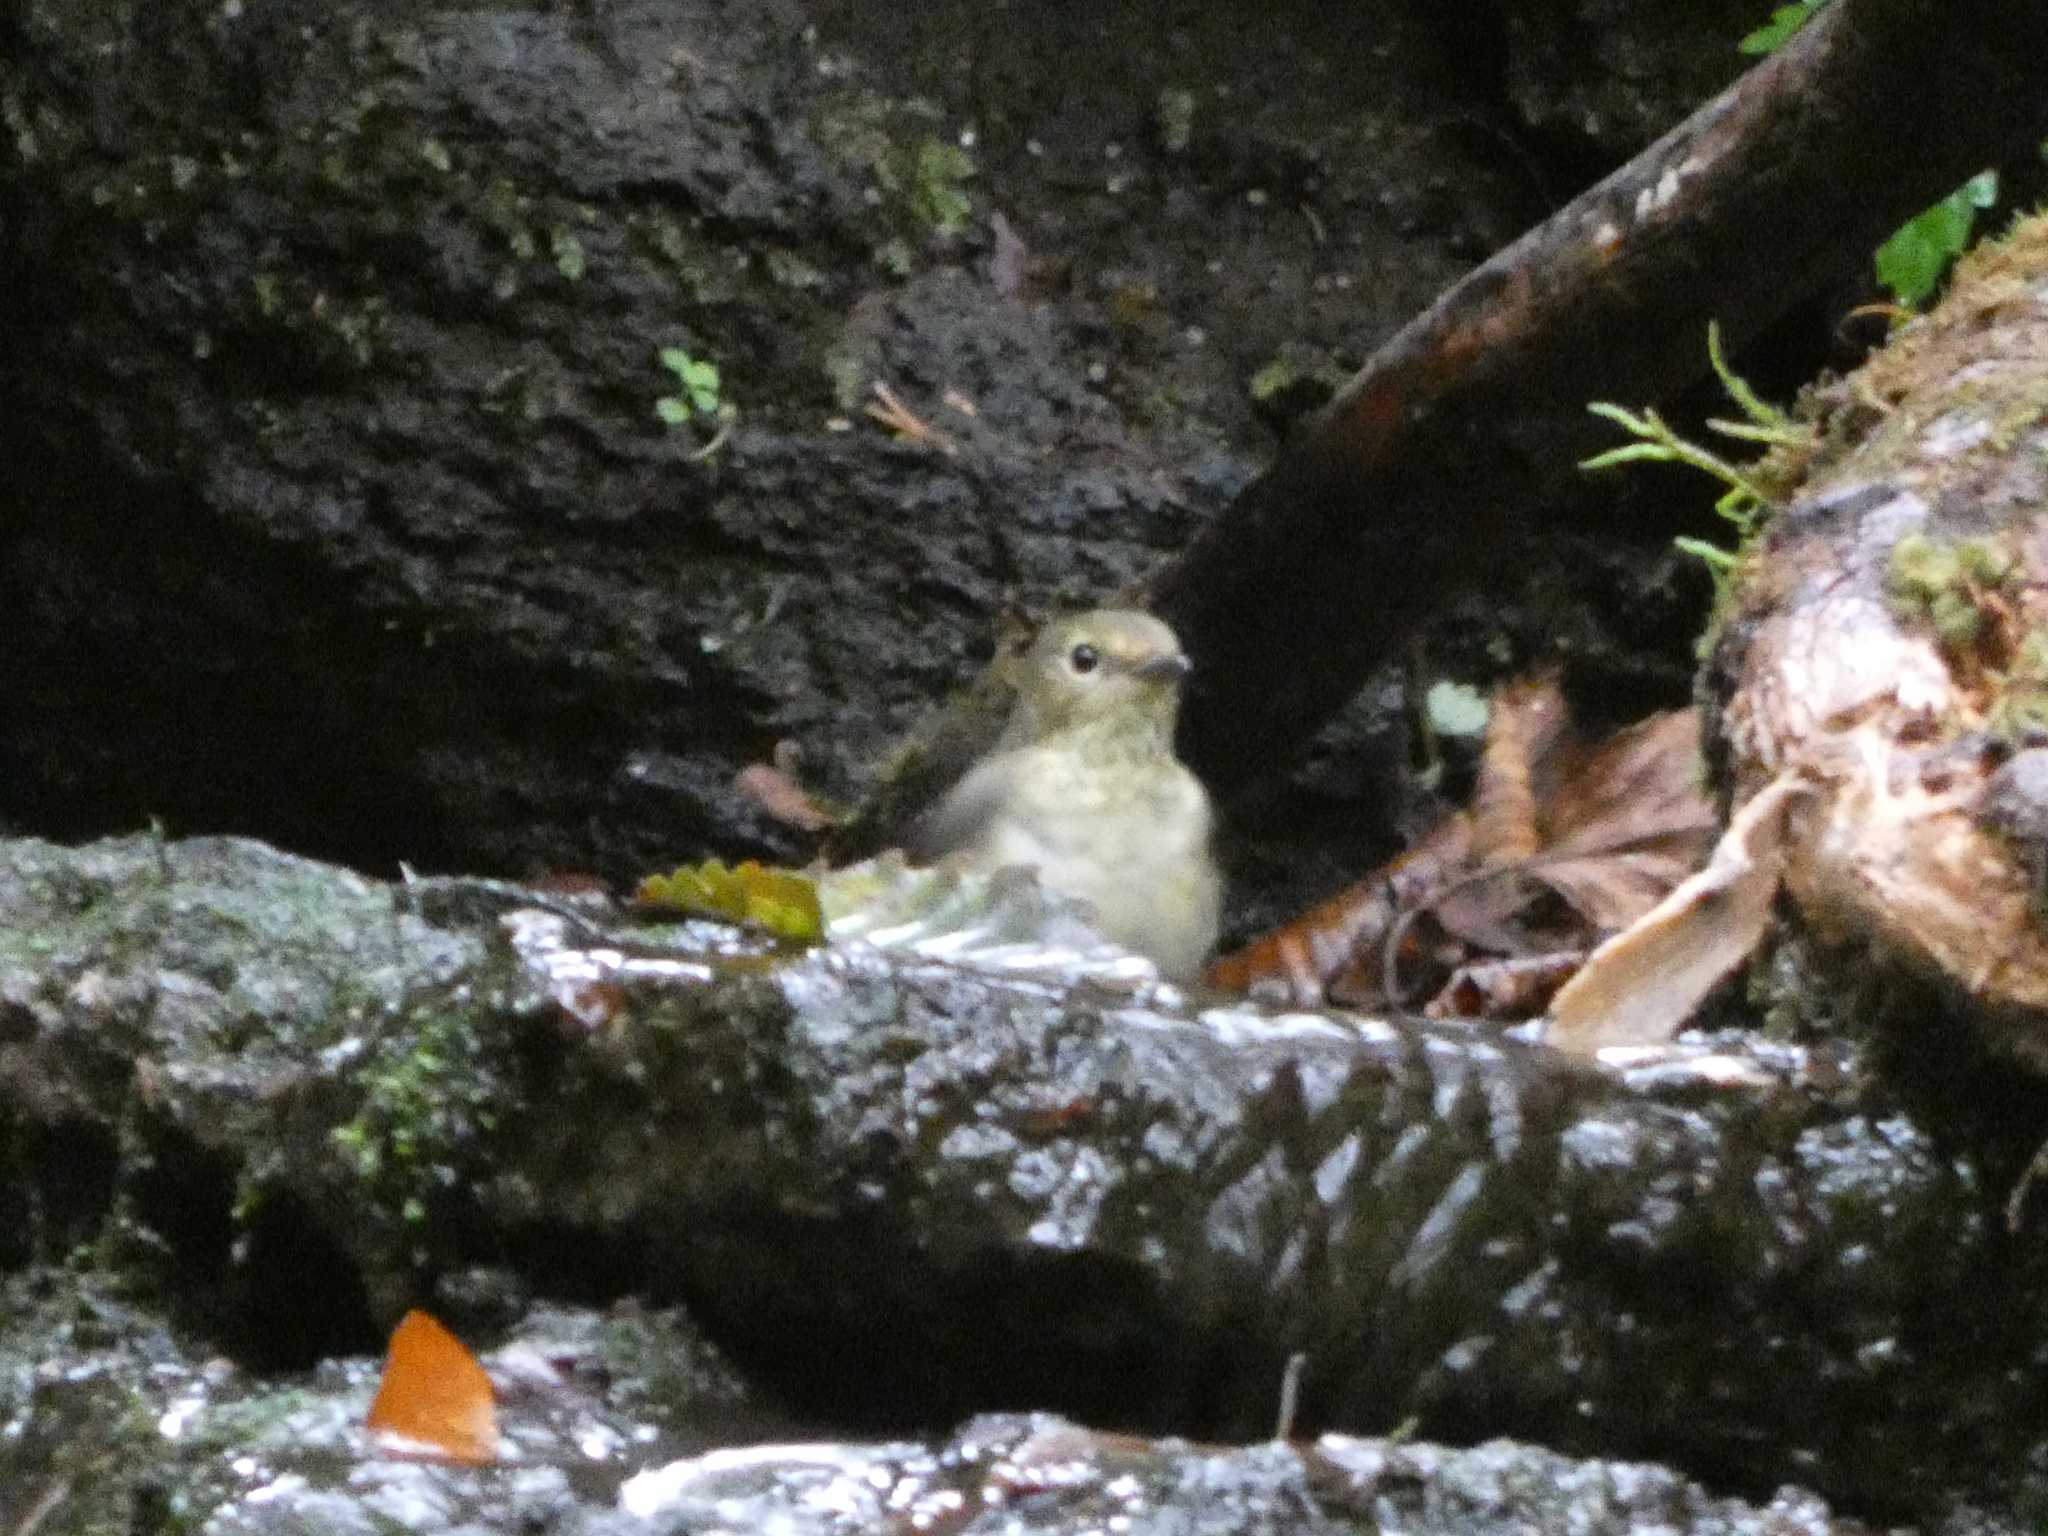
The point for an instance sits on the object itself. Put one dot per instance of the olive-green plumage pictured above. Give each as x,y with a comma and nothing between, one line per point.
1083,786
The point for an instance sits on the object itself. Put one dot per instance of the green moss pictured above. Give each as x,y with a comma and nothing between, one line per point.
2021,707
1173,117
2019,416
847,371
1985,562
1970,593
932,178
1958,621
427,1098
352,331
28,146
511,393
568,253
708,274
786,269
265,1419
505,210
2019,716
857,127
1296,379
1947,586
895,257
921,177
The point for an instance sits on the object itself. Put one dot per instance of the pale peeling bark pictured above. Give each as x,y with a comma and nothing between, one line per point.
1888,647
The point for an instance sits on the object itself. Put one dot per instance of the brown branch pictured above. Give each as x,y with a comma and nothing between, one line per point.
1476,408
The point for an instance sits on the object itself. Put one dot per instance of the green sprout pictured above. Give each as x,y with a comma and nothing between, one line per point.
1744,504
697,399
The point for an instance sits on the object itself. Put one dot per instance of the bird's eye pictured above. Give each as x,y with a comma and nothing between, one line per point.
1083,658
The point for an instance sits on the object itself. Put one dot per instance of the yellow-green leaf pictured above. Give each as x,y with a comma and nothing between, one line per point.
781,901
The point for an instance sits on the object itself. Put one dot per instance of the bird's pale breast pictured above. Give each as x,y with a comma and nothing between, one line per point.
1141,861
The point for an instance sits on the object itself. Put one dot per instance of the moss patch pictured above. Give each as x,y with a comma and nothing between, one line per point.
425,1102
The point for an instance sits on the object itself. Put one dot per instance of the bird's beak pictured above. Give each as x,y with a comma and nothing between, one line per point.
1170,668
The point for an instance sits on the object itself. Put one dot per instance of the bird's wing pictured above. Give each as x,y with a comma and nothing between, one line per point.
960,820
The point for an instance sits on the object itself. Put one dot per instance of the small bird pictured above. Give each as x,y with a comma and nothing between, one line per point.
1083,786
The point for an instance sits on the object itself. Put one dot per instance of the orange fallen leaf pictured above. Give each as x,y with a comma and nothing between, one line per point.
434,1399
1345,934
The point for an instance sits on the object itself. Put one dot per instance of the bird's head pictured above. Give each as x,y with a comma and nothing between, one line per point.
1114,671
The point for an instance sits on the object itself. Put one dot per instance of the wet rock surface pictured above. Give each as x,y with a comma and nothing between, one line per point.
897,1192
244,1458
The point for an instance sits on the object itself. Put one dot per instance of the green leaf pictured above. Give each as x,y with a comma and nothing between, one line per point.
701,380
1624,418
1775,33
781,901
700,385
1912,261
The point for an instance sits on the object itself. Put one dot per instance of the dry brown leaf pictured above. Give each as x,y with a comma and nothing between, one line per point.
1565,843
1334,949
1609,828
1641,986
1516,988
1525,728
1630,822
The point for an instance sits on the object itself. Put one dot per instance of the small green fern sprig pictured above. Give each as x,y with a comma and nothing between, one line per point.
1744,504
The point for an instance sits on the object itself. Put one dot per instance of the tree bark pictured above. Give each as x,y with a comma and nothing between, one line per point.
1887,650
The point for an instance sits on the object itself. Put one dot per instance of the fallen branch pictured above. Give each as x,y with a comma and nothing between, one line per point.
1475,409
